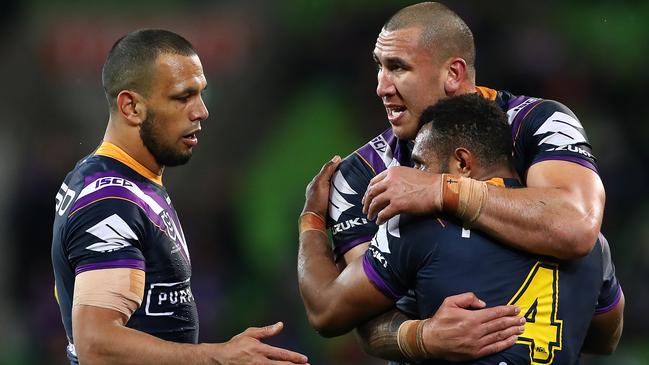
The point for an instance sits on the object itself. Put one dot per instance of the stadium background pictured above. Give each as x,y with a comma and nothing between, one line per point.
291,84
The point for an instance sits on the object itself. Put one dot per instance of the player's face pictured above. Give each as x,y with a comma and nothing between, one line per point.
409,78
423,156
175,109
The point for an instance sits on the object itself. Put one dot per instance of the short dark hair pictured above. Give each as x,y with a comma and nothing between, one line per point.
442,31
128,65
472,122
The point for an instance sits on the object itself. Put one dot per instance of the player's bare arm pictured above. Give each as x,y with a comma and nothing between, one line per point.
558,214
336,303
605,331
99,317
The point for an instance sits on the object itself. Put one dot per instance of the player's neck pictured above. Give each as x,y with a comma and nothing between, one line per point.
505,172
131,143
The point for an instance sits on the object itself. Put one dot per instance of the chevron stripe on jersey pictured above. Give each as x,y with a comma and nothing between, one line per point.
114,234
562,130
337,202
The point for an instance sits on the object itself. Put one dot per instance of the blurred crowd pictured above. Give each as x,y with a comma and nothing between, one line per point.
291,83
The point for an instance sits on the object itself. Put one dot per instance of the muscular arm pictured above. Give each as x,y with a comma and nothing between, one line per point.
101,336
558,214
605,331
335,302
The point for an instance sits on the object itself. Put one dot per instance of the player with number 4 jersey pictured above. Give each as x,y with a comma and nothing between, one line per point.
438,258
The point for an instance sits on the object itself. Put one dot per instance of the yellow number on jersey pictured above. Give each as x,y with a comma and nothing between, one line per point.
538,299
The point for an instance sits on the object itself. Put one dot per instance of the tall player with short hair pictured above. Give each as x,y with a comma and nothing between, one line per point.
121,263
464,138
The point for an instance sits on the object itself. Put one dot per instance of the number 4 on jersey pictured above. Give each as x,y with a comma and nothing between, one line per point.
538,299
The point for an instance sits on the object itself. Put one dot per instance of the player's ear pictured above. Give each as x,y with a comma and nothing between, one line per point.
464,161
132,107
456,73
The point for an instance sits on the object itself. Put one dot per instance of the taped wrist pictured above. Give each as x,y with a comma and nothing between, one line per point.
410,339
310,221
463,197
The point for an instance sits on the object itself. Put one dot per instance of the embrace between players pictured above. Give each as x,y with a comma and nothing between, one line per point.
474,254
455,229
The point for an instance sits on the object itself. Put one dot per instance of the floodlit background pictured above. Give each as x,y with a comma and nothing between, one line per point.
291,84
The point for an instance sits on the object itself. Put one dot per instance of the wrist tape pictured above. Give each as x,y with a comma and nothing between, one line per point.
310,221
463,197
410,339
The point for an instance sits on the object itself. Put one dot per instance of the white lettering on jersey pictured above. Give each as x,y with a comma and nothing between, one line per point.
380,145
564,129
113,232
512,113
64,197
167,293
340,227
104,182
337,203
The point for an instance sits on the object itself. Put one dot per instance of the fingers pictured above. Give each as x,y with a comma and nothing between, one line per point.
328,168
283,356
488,314
263,332
377,203
504,327
374,188
497,346
464,300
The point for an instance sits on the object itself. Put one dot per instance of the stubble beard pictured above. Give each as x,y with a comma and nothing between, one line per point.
151,138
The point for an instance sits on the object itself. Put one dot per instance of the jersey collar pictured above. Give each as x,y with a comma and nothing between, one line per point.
508,182
487,93
110,150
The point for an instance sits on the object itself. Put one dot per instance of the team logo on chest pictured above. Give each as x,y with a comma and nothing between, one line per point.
169,223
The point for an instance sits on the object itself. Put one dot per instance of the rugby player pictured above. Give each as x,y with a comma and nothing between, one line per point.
464,137
121,261
424,53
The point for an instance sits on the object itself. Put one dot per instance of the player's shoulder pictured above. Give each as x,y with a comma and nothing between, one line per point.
99,181
534,111
382,151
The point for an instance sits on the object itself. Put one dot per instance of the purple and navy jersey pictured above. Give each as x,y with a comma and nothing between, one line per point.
108,215
541,130
438,258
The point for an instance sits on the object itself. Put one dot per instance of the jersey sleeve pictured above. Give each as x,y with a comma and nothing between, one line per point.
349,226
551,131
611,291
395,255
106,234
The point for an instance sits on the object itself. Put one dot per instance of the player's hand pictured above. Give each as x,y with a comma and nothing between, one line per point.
247,349
458,333
317,192
402,189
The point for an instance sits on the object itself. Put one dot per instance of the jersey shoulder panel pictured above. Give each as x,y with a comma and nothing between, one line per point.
104,213
548,130
350,227
107,233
